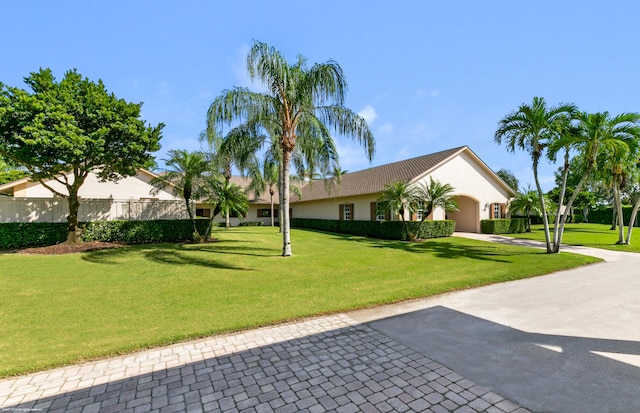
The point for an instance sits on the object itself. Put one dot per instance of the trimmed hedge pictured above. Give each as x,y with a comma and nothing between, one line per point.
385,230
31,234
503,226
604,215
251,224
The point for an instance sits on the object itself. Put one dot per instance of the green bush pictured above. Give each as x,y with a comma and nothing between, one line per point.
252,224
138,232
604,215
503,226
385,230
32,234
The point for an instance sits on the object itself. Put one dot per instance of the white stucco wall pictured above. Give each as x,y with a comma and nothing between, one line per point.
330,208
135,187
470,179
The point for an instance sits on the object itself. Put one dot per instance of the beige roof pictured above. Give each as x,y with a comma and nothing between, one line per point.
373,180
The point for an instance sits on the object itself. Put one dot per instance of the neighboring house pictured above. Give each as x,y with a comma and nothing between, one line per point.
480,193
132,197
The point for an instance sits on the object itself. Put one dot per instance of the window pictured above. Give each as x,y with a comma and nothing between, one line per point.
496,210
347,212
203,212
266,213
420,211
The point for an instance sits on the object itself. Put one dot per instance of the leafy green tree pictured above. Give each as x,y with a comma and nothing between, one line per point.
62,131
399,198
299,102
532,128
509,178
185,172
227,198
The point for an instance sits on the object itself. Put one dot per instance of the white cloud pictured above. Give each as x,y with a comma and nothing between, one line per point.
368,113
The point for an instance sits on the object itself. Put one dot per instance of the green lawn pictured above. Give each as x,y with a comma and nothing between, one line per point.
588,235
58,310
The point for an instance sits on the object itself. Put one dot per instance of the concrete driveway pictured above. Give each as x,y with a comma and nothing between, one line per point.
565,342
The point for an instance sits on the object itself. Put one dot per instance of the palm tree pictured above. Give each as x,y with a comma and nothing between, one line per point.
527,201
436,195
399,198
185,172
613,141
226,197
299,101
532,128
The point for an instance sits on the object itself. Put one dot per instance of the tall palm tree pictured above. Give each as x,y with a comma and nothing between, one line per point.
185,172
532,128
613,140
298,99
399,198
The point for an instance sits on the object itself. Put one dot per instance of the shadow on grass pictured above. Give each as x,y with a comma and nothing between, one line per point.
204,255
442,248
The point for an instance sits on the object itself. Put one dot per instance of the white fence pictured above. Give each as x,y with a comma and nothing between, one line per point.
57,209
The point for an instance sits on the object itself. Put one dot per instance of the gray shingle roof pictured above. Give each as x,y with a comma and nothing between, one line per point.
373,180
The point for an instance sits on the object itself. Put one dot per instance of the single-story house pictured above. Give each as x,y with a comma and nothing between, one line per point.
480,193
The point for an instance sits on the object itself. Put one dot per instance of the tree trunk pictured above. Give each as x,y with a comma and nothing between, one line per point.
576,190
281,194
196,234
618,205
560,218
73,235
284,205
545,218
227,222
632,219
271,192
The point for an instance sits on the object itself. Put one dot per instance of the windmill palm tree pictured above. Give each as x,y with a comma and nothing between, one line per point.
532,128
185,172
399,198
298,99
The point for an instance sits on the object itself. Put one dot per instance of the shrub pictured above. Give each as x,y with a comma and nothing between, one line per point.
385,230
503,226
252,224
137,232
32,234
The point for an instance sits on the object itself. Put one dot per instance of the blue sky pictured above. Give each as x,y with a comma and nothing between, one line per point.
428,75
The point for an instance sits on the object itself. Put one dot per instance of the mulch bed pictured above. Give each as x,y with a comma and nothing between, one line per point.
70,248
